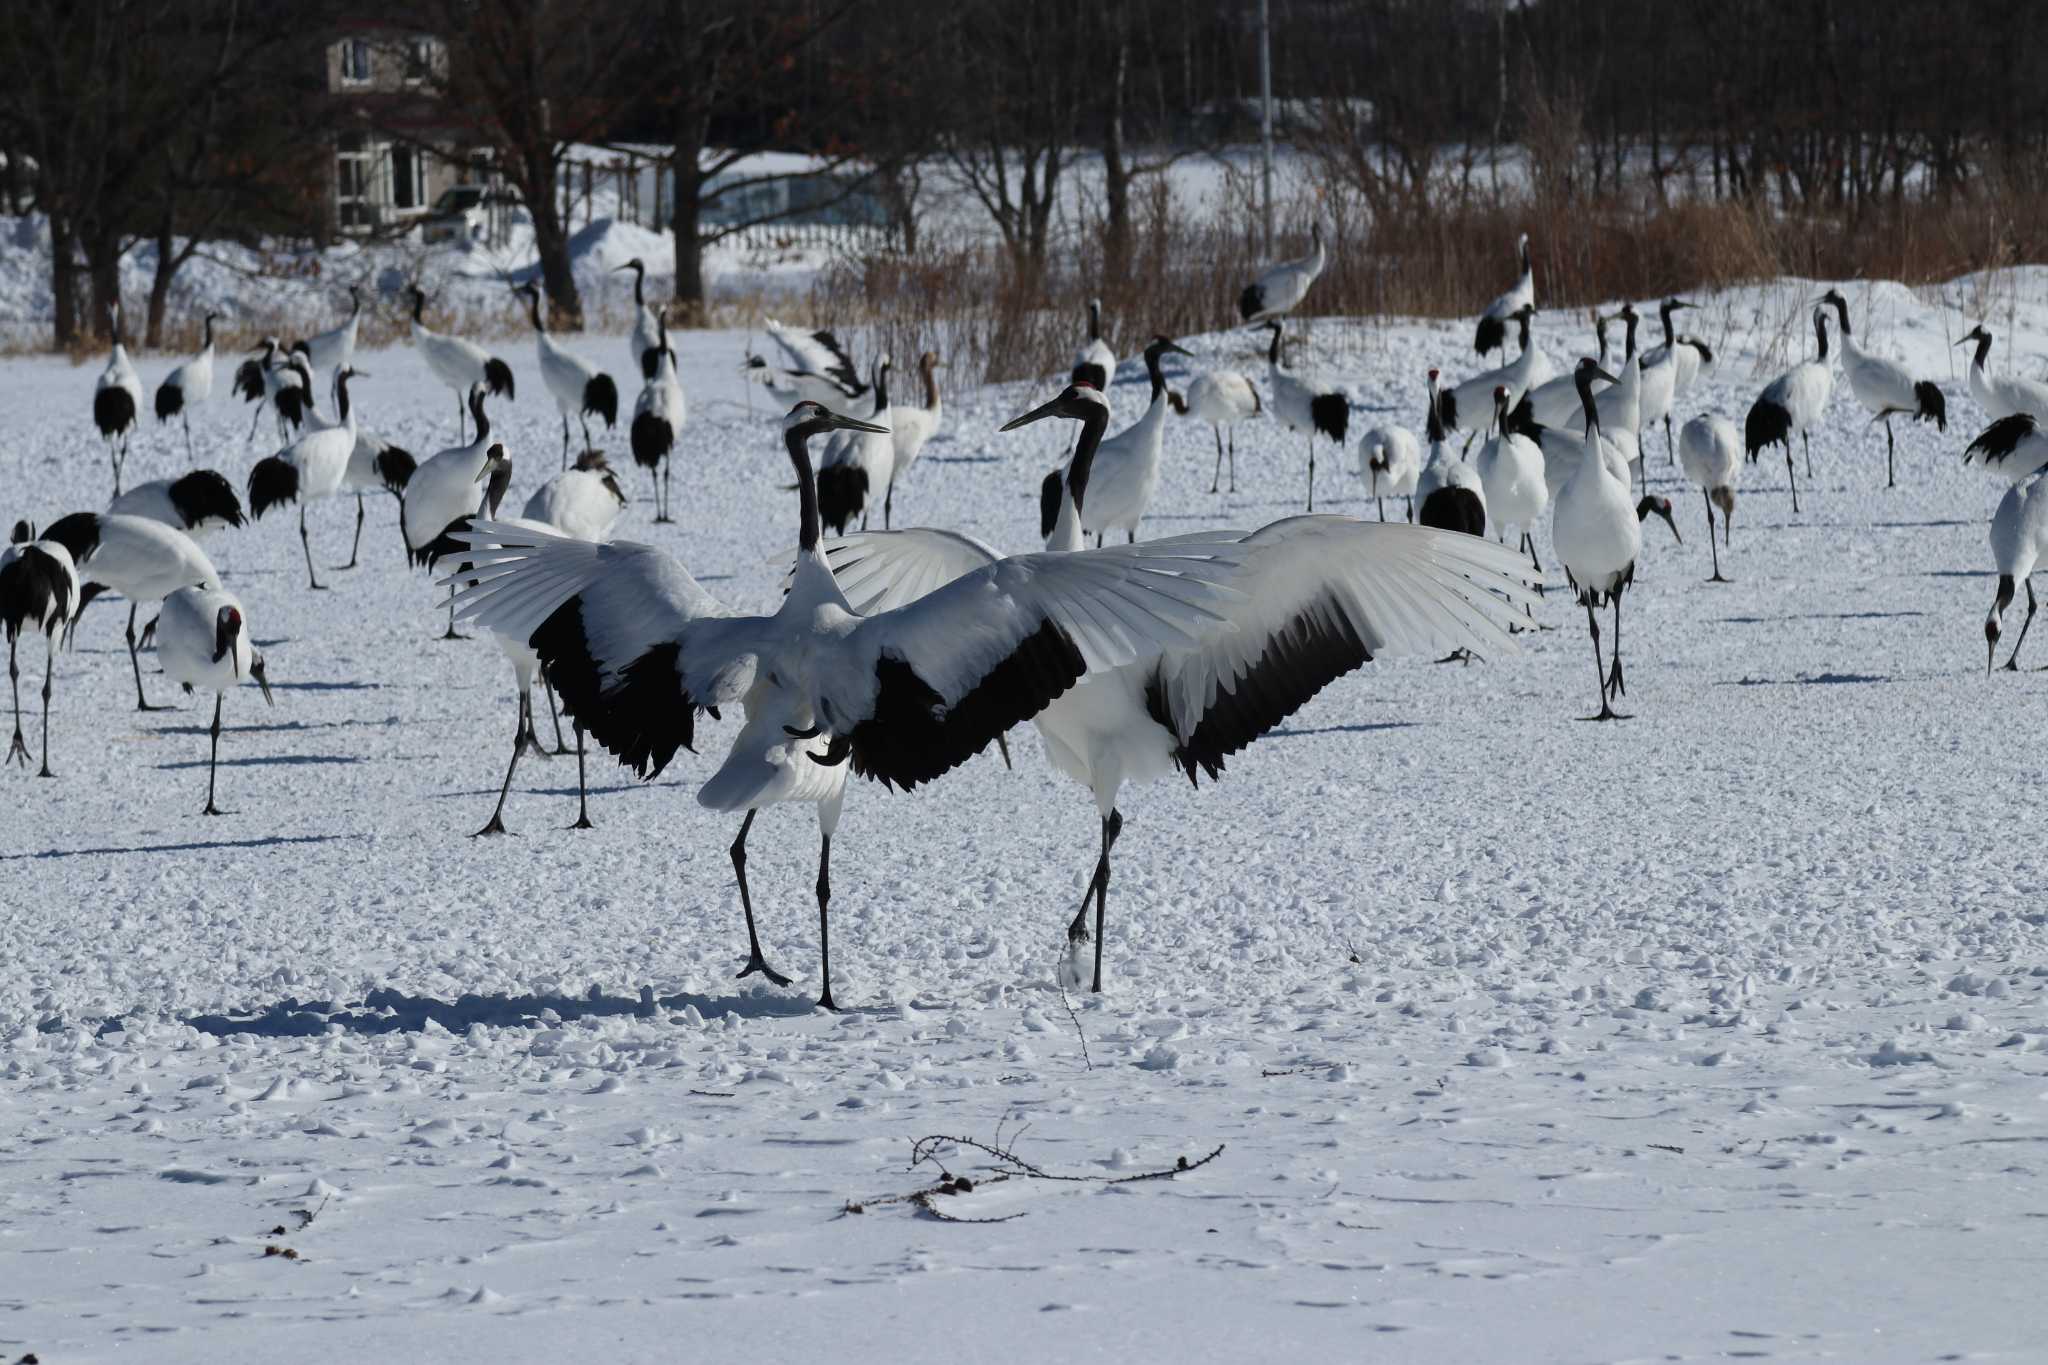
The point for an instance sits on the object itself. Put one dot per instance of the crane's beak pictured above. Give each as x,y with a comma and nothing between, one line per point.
1648,506
854,423
1037,414
1599,373
262,678
1175,348
358,374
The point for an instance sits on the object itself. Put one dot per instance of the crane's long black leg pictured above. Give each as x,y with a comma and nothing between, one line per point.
1615,686
1806,445
561,747
17,748
1233,459
49,665
186,418
1792,478
1216,479
525,728
583,420
451,633
213,760
1670,450
1890,478
1003,744
582,791
755,962
1599,669
889,505
565,440
461,420
2014,662
307,545
825,1000
667,488
1311,473
1710,538
1111,827
356,545
254,418
135,663
1380,503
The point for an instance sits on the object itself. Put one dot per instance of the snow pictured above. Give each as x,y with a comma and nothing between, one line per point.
1716,1033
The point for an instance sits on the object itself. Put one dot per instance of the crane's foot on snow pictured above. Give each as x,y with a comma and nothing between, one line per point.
18,750
757,963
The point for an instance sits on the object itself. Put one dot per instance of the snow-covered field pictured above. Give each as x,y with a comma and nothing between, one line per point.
1717,1034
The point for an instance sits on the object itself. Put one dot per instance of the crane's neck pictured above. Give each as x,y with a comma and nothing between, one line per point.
1820,332
1158,377
1273,352
1592,410
477,417
419,304
1983,352
881,389
1629,318
533,311
796,441
1092,427
341,404
1315,250
208,334
1600,330
931,384
1435,426
1522,322
355,303
639,284
1522,250
1094,321
1841,307
1664,312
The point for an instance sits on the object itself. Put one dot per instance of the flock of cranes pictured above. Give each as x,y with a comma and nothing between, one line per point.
899,655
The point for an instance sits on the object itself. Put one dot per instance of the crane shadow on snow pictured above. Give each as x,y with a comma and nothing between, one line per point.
394,1011
267,761
1362,728
283,727
197,846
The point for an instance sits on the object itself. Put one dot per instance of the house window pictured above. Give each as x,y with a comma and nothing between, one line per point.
353,165
408,178
419,60
355,62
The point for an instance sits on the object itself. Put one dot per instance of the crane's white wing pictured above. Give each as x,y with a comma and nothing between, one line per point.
882,570
916,691
1322,595
631,643
818,353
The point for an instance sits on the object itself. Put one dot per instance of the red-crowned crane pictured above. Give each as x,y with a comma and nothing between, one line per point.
1222,398
187,386
1710,452
202,641
1492,332
38,591
658,416
1279,289
456,362
309,469
576,385
1794,401
2001,395
117,401
143,560
1885,387
646,334
1306,403
2019,538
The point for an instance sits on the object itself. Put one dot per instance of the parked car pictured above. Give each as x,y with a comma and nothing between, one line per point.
461,214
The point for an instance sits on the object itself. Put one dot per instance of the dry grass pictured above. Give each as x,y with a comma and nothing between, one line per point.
997,322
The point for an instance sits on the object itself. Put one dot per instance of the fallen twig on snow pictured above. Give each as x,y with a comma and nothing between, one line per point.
1009,1166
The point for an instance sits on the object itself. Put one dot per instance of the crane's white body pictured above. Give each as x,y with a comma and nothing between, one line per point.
1390,464
1222,398
143,559
1468,407
1492,331
1279,289
912,425
447,487
859,466
1125,471
2003,395
335,349
1095,362
1595,530
2014,447
455,361
186,643
1710,452
194,379
169,501
584,503
1510,469
2019,529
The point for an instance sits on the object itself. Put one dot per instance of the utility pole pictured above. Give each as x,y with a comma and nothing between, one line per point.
1266,115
